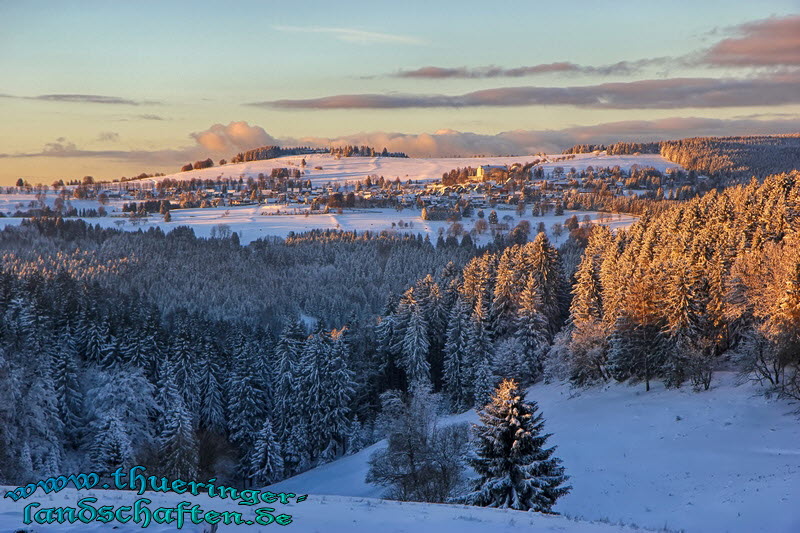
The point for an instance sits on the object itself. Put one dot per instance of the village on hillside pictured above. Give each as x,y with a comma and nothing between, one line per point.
541,185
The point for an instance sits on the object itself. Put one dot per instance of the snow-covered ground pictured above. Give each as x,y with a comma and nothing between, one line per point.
23,201
357,168
250,223
318,514
723,460
254,222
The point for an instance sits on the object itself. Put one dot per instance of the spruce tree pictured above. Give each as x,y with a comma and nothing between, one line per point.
356,438
111,448
127,392
265,460
67,386
546,269
96,340
296,458
504,306
516,470
340,387
456,361
212,406
415,348
481,361
286,376
246,406
178,444
43,428
532,328
10,441
312,384
184,361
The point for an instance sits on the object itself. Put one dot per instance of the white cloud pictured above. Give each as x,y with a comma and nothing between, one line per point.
234,137
351,35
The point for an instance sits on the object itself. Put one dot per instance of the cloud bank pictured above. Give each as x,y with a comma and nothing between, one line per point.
560,67
772,42
671,93
220,141
446,143
82,99
771,45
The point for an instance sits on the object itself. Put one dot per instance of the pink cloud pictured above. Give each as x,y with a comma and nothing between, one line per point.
769,42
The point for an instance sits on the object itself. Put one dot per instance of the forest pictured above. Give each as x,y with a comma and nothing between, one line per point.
733,158
202,357
712,282
109,336
271,152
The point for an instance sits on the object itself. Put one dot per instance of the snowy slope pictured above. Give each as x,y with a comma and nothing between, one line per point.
251,222
358,168
723,460
318,514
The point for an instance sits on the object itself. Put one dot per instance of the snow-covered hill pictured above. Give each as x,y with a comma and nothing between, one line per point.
357,168
723,460
318,514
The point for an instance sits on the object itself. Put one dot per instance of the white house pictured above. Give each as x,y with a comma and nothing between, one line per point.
485,170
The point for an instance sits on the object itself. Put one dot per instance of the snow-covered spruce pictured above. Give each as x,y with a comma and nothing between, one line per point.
516,470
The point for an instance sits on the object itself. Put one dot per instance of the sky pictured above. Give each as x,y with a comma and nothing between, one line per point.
116,88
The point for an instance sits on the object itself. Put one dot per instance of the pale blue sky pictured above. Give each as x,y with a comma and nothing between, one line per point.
194,64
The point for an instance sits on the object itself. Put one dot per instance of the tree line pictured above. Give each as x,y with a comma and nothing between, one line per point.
733,158
710,282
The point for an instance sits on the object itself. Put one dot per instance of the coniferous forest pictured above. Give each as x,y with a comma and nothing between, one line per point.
129,348
730,158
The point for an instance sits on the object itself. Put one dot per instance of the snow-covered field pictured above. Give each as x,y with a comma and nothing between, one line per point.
23,201
251,222
723,460
357,168
318,514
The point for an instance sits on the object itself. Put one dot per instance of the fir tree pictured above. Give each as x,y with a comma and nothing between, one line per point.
10,441
246,406
43,429
340,388
515,469
415,348
178,444
481,361
504,305
286,377
111,448
265,461
456,362
67,386
532,328
296,458
212,405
